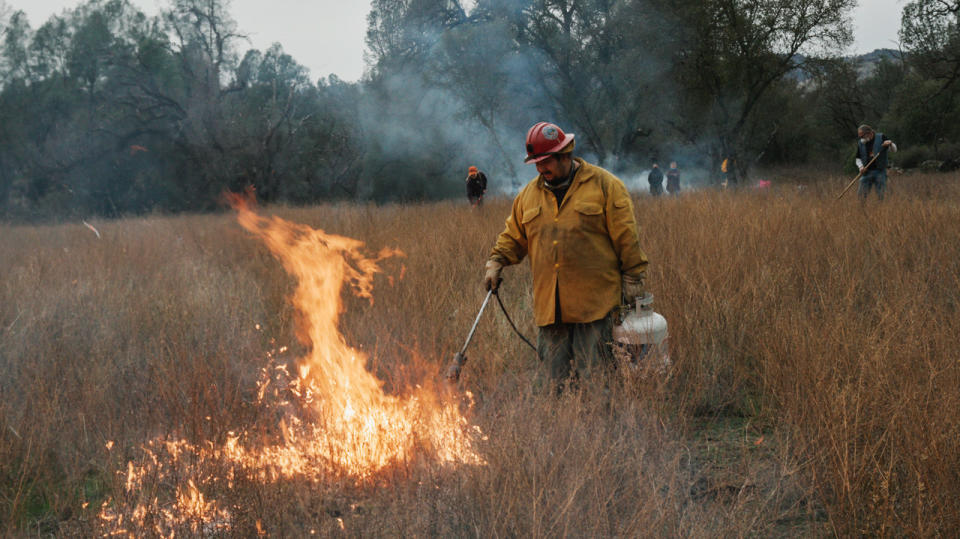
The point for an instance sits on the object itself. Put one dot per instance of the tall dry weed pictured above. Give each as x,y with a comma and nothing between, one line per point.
814,388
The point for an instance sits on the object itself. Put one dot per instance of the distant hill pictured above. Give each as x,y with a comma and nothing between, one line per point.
866,64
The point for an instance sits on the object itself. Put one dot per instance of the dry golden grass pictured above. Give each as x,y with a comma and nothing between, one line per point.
815,388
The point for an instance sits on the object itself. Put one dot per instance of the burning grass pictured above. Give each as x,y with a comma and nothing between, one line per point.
814,386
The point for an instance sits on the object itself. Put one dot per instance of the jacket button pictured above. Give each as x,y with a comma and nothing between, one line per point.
556,219
556,266
555,242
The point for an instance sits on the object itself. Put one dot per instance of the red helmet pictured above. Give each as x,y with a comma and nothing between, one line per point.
545,139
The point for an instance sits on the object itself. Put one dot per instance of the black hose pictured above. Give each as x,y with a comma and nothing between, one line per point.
496,292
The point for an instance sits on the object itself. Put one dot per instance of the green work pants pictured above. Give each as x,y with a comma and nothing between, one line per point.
576,351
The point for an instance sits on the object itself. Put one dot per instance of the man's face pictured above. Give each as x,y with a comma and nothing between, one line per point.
554,168
865,135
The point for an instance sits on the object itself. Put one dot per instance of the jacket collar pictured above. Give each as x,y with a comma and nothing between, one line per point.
584,173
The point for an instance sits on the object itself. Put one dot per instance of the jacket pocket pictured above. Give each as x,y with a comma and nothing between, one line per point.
589,208
530,215
590,218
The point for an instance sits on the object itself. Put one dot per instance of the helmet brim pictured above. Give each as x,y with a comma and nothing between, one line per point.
567,141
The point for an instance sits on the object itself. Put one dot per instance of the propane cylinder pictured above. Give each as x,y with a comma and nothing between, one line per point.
640,339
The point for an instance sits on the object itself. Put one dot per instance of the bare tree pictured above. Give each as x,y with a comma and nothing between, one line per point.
930,31
730,53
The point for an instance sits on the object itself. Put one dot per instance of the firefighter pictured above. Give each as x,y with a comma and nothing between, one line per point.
476,186
873,172
576,222
673,179
655,179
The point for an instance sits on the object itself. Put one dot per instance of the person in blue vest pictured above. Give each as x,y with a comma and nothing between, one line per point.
872,149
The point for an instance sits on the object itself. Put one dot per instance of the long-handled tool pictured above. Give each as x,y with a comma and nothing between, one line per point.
453,371
849,185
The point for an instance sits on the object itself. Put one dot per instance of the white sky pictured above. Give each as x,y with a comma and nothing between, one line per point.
876,24
327,36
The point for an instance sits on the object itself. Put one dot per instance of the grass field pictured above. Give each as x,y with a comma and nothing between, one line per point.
815,386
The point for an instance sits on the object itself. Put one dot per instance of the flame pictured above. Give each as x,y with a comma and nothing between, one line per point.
361,428
337,419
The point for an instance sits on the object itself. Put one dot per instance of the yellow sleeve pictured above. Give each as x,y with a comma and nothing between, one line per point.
511,244
624,232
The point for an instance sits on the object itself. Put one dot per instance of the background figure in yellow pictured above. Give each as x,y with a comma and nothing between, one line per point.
728,172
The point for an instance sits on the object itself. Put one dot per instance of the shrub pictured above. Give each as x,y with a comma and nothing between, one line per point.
912,156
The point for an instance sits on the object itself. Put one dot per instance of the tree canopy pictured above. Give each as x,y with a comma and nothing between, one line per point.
107,111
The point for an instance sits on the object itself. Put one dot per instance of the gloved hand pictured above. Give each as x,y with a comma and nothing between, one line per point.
491,279
631,288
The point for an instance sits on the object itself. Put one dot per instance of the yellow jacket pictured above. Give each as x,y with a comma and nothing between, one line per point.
580,250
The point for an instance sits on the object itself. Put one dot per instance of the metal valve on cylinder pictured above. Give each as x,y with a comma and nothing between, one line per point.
640,337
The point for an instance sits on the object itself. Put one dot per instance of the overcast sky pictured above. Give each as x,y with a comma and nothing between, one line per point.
327,36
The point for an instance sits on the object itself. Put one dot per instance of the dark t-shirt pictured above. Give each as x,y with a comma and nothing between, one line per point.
655,176
476,185
673,178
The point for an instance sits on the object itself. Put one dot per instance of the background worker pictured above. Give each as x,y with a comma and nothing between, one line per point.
655,179
728,173
872,145
476,186
576,222
673,179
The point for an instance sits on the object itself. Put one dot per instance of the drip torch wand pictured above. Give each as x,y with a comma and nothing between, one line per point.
453,371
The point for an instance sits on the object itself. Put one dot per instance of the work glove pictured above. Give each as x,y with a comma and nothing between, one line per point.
491,279
631,288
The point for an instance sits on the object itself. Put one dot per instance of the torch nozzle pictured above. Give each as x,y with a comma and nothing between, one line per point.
453,371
